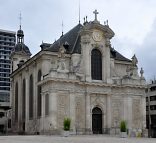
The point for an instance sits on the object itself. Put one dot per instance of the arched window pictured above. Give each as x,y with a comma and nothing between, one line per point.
39,97
96,65
47,104
39,75
31,100
23,99
16,102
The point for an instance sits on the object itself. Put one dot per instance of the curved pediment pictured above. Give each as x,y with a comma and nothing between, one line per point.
90,26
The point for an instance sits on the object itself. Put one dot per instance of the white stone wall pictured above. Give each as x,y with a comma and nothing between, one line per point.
72,92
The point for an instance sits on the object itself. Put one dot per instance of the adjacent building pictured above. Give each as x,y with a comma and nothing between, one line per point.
151,108
79,76
7,43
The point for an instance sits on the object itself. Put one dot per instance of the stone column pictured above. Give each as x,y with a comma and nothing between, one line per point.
143,109
87,62
53,109
108,112
88,114
35,94
43,112
72,111
129,112
106,60
27,103
20,103
85,46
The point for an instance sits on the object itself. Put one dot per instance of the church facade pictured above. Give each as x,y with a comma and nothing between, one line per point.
79,76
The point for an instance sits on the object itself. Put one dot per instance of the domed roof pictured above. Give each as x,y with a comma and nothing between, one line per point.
20,33
21,47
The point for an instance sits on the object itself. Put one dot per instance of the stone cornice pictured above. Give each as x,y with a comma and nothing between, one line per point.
121,62
40,55
50,79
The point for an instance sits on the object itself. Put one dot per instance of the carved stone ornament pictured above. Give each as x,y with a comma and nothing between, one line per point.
62,66
108,43
62,51
97,36
85,39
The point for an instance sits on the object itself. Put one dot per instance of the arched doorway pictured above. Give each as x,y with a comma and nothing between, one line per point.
97,120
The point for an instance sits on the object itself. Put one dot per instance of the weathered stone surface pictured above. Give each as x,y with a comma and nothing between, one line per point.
117,111
67,77
79,112
62,109
136,113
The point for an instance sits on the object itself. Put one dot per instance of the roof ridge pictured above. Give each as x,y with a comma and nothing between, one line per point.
67,32
75,43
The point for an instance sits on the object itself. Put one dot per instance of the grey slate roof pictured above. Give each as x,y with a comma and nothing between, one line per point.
117,56
72,38
21,47
71,41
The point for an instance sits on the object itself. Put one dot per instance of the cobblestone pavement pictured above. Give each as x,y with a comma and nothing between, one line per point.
73,139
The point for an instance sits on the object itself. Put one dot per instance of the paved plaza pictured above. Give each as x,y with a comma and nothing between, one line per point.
73,139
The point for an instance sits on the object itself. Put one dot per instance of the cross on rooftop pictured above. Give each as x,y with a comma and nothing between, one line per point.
95,12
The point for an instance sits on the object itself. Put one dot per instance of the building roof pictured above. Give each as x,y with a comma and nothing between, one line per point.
21,47
20,33
7,31
117,56
71,41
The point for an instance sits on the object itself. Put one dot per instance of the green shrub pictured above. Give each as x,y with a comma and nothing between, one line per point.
123,127
139,135
66,124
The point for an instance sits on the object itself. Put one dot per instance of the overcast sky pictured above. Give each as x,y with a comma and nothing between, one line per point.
133,21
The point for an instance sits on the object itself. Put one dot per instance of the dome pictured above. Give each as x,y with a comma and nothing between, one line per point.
20,33
20,47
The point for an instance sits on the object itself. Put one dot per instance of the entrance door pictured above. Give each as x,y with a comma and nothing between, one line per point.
97,121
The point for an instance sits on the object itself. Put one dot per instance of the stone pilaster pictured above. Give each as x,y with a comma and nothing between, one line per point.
87,62
20,96
35,93
43,112
143,112
72,111
106,61
53,109
88,114
27,102
129,112
108,112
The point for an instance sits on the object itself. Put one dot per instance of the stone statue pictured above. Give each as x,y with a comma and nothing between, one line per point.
134,61
62,51
141,73
61,61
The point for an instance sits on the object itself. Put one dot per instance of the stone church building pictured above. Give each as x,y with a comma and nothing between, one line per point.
79,76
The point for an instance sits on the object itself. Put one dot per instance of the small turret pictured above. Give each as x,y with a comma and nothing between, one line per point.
20,52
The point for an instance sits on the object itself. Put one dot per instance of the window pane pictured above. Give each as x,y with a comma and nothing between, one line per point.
96,65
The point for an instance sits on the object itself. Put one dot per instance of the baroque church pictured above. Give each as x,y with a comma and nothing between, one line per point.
79,76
